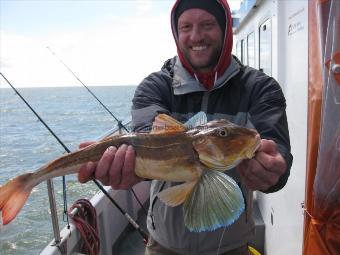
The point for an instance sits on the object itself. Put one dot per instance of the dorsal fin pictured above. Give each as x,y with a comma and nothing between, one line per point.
164,124
198,119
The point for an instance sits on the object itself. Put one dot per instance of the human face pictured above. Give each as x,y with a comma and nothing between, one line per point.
200,39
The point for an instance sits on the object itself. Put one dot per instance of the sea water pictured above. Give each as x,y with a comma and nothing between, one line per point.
25,145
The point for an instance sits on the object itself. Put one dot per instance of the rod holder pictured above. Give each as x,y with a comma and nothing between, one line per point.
54,214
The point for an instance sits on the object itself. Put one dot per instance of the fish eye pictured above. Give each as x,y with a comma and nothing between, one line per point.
223,132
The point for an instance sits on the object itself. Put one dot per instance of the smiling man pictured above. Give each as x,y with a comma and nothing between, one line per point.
200,35
204,76
199,31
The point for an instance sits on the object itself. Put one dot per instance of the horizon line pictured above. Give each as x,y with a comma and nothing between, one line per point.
65,86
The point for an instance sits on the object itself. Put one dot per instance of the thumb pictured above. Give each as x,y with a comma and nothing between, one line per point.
268,146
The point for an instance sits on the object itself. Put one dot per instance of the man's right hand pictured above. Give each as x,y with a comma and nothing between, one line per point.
115,168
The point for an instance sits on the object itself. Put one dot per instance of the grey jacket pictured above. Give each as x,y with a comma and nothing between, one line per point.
242,95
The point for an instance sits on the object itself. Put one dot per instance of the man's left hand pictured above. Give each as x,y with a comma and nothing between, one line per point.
265,169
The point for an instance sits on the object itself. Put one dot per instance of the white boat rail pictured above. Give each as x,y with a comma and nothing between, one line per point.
67,241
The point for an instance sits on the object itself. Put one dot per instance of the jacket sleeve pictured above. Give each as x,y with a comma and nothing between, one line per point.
268,114
151,98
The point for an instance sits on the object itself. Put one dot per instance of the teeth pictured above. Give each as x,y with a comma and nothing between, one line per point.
198,48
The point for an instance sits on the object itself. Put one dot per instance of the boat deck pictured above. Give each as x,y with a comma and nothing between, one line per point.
131,243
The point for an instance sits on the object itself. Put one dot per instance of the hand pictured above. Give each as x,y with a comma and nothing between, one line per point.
265,169
115,168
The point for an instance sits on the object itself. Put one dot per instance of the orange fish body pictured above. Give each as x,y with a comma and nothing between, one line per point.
195,157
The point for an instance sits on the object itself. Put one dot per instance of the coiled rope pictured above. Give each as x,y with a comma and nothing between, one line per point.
85,220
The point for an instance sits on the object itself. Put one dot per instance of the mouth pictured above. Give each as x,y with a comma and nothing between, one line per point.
199,48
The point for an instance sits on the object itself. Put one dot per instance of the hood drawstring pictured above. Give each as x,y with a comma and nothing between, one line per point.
196,78
215,79
199,82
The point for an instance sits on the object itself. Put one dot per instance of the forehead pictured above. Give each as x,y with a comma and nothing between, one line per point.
195,15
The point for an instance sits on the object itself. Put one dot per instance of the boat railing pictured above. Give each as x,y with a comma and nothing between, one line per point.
119,129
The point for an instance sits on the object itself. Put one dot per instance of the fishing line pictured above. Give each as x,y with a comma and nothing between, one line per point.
219,244
127,216
55,136
120,124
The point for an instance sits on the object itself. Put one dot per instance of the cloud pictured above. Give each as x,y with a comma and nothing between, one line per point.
115,52
143,7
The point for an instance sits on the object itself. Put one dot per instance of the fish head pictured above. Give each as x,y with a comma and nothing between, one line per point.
221,145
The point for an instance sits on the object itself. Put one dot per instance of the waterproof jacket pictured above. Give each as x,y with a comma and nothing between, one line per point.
242,95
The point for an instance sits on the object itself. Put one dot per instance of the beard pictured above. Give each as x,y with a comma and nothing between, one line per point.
203,65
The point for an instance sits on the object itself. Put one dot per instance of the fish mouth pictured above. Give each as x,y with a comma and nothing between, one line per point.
256,146
257,143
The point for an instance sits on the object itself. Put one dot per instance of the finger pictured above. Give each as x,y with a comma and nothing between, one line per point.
86,172
104,164
86,143
261,174
272,163
115,171
129,163
253,182
268,146
255,176
129,178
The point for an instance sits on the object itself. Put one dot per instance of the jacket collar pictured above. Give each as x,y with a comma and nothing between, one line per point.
184,83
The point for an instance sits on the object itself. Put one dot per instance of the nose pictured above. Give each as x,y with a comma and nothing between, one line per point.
196,34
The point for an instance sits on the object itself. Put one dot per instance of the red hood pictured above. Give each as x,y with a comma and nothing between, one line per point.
208,79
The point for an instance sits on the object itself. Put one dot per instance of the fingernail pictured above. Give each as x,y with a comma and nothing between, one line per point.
111,149
130,148
123,146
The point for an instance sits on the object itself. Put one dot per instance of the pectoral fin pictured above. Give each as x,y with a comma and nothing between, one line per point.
176,195
216,201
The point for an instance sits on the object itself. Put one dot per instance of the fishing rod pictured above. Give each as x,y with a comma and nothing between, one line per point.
120,124
127,216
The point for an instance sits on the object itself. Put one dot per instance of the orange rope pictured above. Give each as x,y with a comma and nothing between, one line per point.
85,221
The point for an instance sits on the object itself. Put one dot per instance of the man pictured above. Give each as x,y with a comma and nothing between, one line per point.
204,77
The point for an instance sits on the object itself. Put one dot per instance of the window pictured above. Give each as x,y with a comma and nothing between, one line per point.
244,52
239,50
265,50
251,49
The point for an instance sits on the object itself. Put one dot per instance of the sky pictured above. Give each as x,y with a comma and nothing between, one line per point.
104,43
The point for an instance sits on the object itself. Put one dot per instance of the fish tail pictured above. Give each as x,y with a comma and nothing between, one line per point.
13,196
215,201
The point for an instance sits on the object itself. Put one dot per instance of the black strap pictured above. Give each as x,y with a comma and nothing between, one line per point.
153,203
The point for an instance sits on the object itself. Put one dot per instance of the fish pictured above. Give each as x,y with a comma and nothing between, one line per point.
195,157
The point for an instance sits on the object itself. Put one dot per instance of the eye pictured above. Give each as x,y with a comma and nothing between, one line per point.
208,25
223,132
184,28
